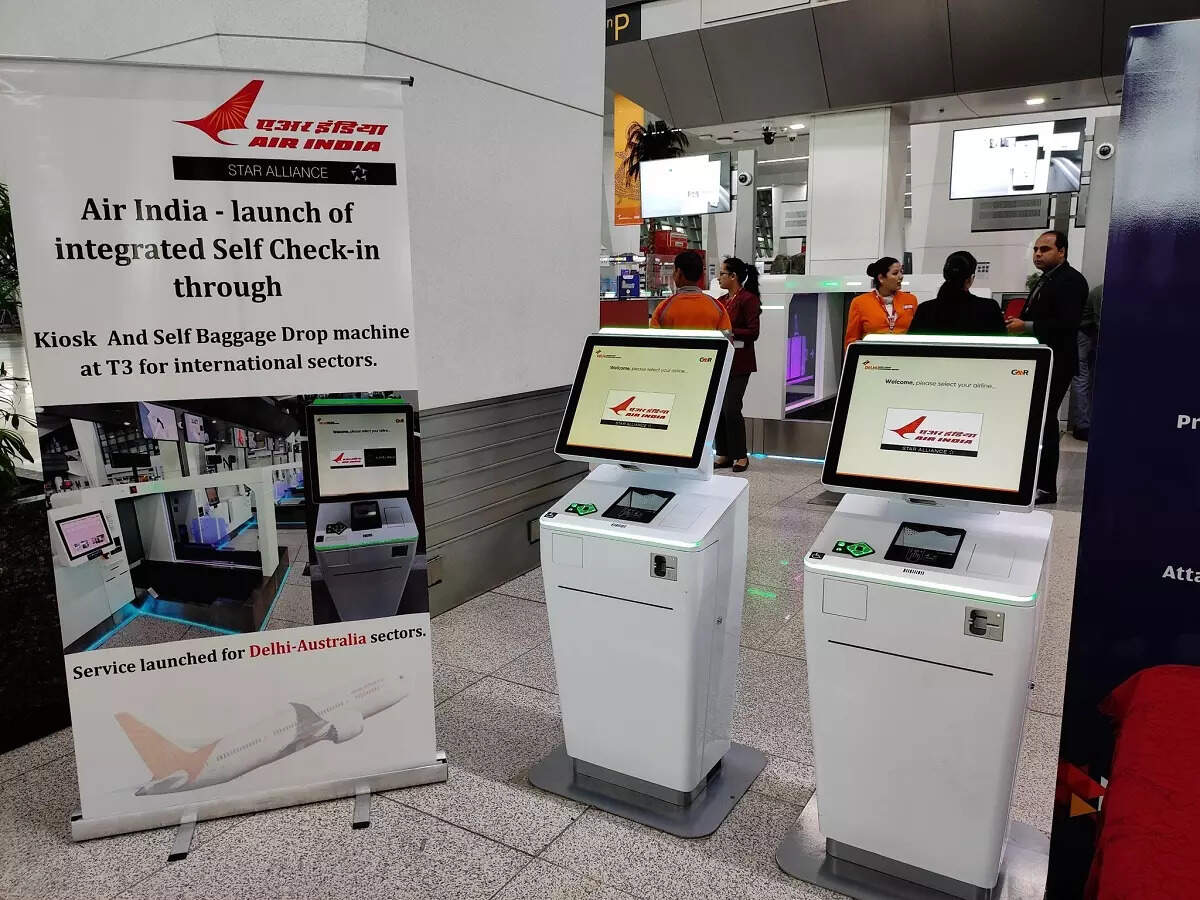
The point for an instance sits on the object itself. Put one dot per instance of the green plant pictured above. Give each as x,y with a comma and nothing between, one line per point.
9,288
12,445
643,143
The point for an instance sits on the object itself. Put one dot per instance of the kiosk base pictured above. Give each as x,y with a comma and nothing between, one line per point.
806,854
694,814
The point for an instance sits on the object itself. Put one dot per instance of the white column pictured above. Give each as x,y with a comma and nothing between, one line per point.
856,190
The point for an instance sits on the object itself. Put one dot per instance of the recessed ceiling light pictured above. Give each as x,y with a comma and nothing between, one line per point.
724,139
796,126
704,137
1035,101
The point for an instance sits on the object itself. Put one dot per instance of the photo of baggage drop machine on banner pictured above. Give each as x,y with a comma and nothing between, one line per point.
923,598
167,511
365,539
644,564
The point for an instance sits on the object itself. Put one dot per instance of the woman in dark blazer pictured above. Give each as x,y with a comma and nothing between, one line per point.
740,281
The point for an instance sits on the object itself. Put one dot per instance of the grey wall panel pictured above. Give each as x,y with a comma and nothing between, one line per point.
683,71
629,70
881,51
489,470
1023,42
766,67
1121,15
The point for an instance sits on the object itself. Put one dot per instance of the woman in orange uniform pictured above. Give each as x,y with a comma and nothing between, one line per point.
887,309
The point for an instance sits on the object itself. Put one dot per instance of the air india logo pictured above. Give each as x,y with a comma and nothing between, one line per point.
907,431
639,409
299,134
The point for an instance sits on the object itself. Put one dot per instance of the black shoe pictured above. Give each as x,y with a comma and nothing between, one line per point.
741,467
1081,434
721,465
1045,498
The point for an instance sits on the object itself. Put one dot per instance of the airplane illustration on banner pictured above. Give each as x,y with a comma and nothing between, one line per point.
337,716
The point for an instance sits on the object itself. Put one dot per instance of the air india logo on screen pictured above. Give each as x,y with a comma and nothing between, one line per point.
932,431
637,409
345,459
299,134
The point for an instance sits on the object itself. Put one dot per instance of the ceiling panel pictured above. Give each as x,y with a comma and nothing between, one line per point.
629,70
881,51
1121,15
766,67
1019,42
1011,101
938,109
679,59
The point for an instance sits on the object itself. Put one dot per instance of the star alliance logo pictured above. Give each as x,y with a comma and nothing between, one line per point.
359,173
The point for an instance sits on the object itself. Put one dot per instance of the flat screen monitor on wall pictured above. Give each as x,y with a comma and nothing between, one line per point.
239,437
158,422
686,185
193,428
1016,160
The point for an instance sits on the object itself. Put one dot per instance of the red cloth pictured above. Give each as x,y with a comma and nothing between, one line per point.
1150,821
744,309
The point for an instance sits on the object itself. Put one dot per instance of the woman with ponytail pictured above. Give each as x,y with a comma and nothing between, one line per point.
887,309
740,282
956,310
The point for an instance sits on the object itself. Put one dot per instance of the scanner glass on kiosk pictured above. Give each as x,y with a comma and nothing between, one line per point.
636,401
84,534
943,422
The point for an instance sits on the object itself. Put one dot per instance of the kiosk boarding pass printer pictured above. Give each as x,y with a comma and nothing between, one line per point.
644,563
922,601
365,537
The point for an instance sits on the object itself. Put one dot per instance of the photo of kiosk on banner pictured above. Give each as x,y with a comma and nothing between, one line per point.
172,520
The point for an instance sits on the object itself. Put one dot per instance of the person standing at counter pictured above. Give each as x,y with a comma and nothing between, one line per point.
744,306
689,306
956,310
887,309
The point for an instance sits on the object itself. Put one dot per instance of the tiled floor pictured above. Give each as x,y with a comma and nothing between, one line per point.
487,833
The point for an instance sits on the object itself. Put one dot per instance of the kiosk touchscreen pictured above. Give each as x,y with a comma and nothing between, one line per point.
644,563
365,537
922,601
84,536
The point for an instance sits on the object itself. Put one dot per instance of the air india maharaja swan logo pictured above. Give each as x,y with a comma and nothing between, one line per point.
234,115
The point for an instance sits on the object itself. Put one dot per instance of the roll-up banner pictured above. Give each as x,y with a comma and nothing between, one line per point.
217,310
627,193
1128,792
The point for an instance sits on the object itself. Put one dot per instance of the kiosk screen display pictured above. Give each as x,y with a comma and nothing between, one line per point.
158,422
686,185
193,428
360,454
951,421
643,399
84,534
1011,160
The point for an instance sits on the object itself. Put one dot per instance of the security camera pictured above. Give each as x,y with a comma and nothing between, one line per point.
745,178
1105,150
768,135
791,138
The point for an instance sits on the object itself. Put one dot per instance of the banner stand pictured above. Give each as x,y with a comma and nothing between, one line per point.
86,829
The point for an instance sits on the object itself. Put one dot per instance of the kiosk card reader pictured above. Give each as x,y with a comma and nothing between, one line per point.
365,537
644,563
922,601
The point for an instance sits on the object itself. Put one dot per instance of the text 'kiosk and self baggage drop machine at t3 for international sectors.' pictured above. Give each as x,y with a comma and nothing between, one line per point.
922,601
365,537
644,564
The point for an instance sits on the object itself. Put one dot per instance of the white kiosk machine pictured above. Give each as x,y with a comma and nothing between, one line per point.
365,537
645,569
922,599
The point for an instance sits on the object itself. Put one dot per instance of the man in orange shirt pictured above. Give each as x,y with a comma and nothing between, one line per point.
690,307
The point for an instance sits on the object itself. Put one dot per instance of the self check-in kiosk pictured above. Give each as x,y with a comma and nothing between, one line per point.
922,601
365,537
644,564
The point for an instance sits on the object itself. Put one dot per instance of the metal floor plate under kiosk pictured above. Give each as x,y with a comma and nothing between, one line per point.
644,564
922,605
365,537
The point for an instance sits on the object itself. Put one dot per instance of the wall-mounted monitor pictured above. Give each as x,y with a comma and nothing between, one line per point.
193,429
686,185
1015,160
158,422
84,534
121,460
239,437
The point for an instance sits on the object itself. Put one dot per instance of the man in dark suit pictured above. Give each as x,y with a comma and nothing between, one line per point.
1052,315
